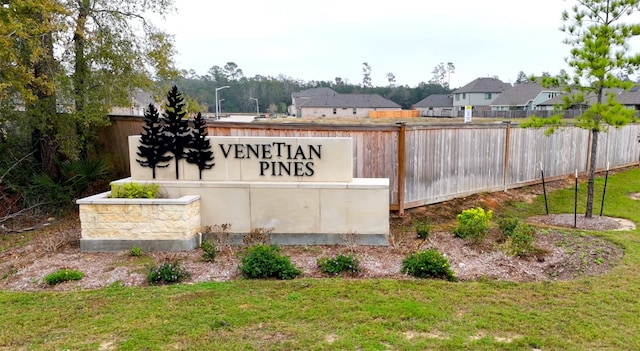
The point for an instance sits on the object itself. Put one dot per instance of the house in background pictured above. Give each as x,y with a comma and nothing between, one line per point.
140,100
524,97
480,93
435,105
325,102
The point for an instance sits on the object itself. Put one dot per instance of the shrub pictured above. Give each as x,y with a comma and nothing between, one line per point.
423,228
519,240
209,250
63,275
167,273
339,264
265,261
136,252
473,223
428,264
135,191
258,236
508,225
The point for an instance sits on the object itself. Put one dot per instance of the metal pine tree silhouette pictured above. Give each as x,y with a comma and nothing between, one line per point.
200,152
152,148
176,126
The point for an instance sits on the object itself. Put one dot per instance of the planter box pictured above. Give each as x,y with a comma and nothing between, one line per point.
151,224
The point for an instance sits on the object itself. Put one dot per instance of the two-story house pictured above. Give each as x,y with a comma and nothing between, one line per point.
480,93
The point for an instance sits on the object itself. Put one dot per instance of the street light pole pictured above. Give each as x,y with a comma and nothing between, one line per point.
218,102
257,107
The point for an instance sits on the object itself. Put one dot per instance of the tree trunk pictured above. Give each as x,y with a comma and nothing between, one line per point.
81,68
42,113
592,172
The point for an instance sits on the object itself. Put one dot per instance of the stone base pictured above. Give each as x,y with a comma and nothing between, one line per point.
115,245
312,239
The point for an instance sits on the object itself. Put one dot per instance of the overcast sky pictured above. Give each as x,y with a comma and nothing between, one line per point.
322,40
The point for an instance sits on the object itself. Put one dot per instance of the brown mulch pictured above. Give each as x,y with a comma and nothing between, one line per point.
562,253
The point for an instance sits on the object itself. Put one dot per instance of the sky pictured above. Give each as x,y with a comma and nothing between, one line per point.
322,40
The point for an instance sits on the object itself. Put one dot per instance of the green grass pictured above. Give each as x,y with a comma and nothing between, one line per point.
592,313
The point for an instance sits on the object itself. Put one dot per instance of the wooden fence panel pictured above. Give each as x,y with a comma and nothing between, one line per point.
618,146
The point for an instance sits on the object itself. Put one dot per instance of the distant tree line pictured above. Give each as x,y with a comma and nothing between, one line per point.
274,93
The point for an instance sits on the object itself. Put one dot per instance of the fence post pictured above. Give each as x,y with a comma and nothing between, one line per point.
401,165
506,154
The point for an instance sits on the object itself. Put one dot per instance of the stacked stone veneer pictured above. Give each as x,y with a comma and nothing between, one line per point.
151,224
301,188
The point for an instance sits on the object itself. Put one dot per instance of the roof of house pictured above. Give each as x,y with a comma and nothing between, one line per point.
350,101
484,85
518,95
436,100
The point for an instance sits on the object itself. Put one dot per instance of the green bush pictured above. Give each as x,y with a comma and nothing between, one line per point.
519,240
339,264
209,250
428,264
423,228
136,252
473,223
167,273
508,225
135,191
265,261
63,275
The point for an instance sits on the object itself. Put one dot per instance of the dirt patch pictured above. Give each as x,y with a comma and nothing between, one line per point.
635,196
26,258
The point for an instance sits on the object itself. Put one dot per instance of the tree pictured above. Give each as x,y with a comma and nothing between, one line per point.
522,78
232,72
392,80
366,79
176,126
152,149
439,73
450,69
107,50
599,32
200,152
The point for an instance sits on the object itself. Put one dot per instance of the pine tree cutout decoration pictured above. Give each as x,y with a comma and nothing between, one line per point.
200,152
176,126
152,149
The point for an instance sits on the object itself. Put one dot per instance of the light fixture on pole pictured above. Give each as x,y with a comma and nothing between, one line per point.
218,102
257,108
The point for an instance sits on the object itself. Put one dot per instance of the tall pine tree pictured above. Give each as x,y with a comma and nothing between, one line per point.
152,148
176,126
200,152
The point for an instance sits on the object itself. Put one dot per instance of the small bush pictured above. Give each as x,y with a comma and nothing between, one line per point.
63,275
508,225
136,252
428,264
209,250
258,236
473,223
167,273
519,240
422,228
135,191
265,261
348,264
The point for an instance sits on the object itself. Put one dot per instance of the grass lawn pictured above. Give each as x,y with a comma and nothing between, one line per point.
592,313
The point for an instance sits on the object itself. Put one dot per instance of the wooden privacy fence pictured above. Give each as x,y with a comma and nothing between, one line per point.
433,163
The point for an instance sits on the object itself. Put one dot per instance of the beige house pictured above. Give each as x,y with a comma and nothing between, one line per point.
324,102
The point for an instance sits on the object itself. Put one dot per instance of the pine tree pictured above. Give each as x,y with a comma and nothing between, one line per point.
152,148
176,126
200,149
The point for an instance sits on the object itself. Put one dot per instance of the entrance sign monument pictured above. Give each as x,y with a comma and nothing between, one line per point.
301,188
